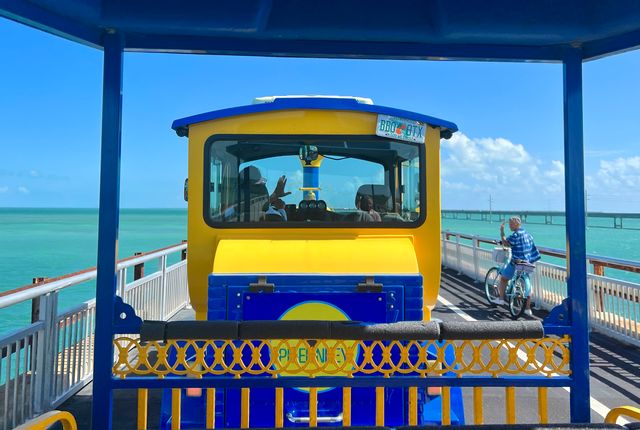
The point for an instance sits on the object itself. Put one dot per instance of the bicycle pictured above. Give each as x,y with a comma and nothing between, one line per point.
518,289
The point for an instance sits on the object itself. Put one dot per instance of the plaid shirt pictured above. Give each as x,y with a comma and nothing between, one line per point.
522,246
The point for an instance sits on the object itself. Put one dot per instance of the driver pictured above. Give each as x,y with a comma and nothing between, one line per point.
255,200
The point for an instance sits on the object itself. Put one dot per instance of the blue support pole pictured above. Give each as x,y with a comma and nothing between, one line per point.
576,236
311,179
107,230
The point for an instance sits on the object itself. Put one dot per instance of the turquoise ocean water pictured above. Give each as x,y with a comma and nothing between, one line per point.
602,240
54,242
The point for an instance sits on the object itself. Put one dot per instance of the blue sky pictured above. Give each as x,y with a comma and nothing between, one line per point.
510,144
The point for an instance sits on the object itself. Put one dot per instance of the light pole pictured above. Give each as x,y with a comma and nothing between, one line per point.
490,216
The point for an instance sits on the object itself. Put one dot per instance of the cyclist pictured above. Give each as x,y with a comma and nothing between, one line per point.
522,249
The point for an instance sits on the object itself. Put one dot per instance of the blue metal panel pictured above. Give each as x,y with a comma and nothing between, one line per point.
369,307
576,237
217,304
329,281
404,292
107,229
312,103
413,302
237,296
363,381
491,29
46,19
339,292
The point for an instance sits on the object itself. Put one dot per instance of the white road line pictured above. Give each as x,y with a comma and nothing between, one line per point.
596,406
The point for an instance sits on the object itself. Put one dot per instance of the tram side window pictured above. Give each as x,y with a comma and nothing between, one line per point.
411,188
344,182
215,185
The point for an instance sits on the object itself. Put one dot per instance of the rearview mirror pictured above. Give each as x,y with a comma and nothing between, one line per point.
308,153
186,190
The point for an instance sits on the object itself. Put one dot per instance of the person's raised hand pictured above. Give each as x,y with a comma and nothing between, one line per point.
279,191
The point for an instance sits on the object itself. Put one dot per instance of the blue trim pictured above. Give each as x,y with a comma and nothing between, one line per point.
222,279
130,323
342,49
576,237
311,179
618,44
338,381
108,221
43,19
559,315
557,330
434,30
180,125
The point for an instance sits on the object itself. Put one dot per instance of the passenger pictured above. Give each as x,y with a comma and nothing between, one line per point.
275,211
522,249
365,204
254,198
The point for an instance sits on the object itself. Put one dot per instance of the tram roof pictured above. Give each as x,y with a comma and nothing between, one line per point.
538,30
315,102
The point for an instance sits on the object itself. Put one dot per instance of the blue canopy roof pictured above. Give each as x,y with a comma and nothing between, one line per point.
405,29
328,103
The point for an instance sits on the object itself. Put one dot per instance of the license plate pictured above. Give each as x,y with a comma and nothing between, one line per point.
401,129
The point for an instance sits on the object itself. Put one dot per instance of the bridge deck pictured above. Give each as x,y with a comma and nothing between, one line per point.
615,370
615,367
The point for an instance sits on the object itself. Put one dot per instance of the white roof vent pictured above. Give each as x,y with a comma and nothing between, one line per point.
271,99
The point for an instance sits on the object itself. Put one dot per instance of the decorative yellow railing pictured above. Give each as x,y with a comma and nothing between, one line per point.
415,365
623,411
548,356
48,419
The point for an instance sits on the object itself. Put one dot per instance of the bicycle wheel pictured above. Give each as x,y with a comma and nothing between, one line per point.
517,300
491,285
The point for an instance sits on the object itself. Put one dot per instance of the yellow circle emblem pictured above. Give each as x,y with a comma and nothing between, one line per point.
319,357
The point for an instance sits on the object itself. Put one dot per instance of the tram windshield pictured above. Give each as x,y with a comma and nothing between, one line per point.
341,181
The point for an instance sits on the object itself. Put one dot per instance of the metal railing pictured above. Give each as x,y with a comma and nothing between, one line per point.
401,363
614,304
45,363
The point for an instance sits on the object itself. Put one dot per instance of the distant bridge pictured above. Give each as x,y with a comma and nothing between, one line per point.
612,220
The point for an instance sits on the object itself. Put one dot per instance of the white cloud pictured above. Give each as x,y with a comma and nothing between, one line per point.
554,176
294,180
34,173
620,176
474,169
23,190
497,165
4,188
615,185
455,185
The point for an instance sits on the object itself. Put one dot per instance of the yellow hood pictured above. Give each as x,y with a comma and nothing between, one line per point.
375,256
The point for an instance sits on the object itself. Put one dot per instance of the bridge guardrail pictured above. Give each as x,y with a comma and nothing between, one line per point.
614,304
45,363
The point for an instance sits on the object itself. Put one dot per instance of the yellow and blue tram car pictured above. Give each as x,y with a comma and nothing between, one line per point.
313,208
